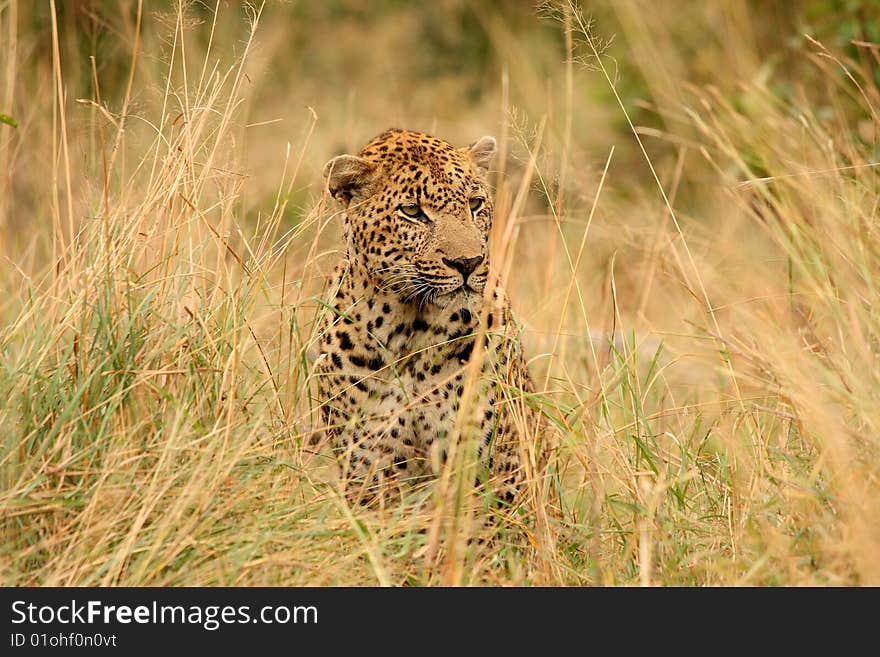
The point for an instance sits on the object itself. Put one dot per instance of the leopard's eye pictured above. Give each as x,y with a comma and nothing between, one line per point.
412,211
475,203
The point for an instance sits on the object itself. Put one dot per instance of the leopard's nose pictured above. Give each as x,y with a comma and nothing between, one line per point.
464,265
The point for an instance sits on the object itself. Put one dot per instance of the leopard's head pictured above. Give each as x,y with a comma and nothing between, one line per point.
417,214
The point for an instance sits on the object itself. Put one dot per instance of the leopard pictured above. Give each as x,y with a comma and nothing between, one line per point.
420,352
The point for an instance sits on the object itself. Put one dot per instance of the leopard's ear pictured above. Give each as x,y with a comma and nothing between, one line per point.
346,175
482,151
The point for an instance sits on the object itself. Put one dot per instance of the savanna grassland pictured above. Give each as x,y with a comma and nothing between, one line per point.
686,220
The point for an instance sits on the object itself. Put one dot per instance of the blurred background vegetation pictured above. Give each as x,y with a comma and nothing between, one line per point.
442,66
457,68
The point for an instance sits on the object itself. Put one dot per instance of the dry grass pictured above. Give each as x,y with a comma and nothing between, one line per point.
163,251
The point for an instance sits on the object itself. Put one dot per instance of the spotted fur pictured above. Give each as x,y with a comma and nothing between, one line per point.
408,315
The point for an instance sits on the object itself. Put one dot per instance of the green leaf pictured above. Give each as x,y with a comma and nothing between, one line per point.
8,120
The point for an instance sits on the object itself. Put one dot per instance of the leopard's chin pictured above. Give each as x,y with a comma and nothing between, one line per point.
464,294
